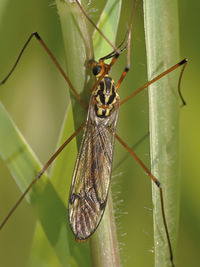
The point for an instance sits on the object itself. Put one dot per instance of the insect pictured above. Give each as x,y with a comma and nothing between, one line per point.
88,195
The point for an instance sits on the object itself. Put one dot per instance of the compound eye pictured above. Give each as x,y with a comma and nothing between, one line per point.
96,70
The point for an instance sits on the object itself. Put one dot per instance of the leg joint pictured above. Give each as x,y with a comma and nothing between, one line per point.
37,35
158,183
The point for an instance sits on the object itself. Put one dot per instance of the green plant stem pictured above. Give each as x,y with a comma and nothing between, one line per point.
162,46
103,244
78,51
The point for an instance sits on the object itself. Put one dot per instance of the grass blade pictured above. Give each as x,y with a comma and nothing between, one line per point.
23,166
162,46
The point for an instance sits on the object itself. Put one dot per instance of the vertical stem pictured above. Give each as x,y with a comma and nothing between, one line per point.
104,246
162,46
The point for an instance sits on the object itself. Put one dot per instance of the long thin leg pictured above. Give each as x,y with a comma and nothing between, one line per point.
181,63
40,174
37,36
116,52
95,26
153,178
127,68
158,184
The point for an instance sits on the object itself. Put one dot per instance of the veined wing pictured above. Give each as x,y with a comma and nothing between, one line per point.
91,178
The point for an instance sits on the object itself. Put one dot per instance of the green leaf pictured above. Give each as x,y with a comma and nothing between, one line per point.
24,166
17,154
108,24
162,46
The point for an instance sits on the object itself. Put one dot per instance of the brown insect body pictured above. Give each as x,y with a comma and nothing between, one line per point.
92,172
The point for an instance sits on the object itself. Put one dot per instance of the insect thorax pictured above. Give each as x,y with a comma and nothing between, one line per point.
106,97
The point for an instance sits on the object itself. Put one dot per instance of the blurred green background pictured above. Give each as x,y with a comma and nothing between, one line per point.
36,98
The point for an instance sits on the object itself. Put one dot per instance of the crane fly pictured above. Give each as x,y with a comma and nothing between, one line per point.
91,177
